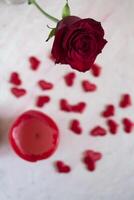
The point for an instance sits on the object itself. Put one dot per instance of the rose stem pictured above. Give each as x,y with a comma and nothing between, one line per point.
44,12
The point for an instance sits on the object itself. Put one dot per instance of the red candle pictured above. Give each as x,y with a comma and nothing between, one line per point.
34,136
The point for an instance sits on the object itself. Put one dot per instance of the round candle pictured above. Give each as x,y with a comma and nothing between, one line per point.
34,136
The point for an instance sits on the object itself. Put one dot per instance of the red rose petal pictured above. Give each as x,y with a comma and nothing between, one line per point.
98,131
75,126
128,125
96,70
44,85
62,167
15,78
18,92
42,100
90,159
125,101
34,62
69,78
65,106
109,111
112,126
88,86
79,107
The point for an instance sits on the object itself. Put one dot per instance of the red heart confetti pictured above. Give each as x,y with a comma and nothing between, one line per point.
96,70
34,63
75,126
78,108
112,126
15,78
128,125
44,85
125,101
18,92
98,131
64,105
109,111
42,100
62,167
69,78
88,86
90,158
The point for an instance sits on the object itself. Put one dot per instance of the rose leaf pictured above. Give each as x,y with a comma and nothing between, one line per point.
66,10
51,34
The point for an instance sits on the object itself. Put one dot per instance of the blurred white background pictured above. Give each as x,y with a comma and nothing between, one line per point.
15,1
22,33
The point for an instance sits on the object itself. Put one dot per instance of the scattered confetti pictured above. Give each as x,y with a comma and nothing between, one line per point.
125,101
44,85
75,126
96,70
98,131
34,63
112,126
18,92
78,108
42,100
109,111
15,79
128,125
88,86
90,158
69,78
61,167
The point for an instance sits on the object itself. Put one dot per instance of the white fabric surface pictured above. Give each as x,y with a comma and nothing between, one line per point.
22,33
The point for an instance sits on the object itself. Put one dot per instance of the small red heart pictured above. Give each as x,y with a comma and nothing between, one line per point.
109,111
79,107
64,105
90,158
41,100
98,131
18,92
15,78
125,101
93,154
62,168
128,125
34,62
75,126
44,85
113,126
69,78
88,86
96,70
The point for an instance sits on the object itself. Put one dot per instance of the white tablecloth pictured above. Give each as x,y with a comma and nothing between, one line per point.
22,34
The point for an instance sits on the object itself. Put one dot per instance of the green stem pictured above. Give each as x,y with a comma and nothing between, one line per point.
44,12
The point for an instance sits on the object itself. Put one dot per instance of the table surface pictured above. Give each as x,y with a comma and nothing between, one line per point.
22,33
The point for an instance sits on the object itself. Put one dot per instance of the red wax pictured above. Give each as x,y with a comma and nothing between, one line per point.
34,136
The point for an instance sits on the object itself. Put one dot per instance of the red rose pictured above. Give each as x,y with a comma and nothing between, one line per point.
78,42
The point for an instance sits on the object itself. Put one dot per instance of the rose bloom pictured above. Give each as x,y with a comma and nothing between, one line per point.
78,42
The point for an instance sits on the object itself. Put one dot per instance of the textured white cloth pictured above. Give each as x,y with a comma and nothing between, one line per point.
22,33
